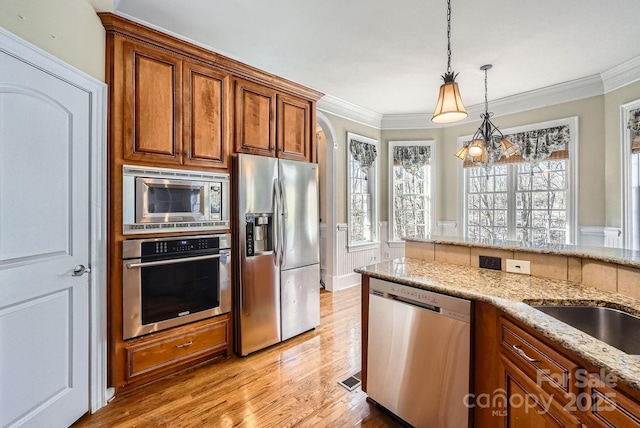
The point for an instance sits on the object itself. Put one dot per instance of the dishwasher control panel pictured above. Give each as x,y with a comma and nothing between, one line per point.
449,306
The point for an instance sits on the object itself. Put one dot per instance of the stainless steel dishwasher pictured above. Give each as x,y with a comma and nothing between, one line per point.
419,354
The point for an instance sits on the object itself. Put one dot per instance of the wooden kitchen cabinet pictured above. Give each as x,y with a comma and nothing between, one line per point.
271,123
527,405
556,386
550,370
255,118
294,133
175,112
609,407
171,350
151,104
206,116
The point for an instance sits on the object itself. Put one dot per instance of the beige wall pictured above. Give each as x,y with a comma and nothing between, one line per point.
341,126
613,142
68,29
599,169
591,153
590,112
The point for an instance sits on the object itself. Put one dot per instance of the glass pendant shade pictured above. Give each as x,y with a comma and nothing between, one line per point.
482,158
462,153
476,148
508,148
488,144
449,107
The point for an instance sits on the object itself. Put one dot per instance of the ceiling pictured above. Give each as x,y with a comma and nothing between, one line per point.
388,57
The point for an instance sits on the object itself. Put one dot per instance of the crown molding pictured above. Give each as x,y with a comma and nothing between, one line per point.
410,121
339,107
621,75
564,92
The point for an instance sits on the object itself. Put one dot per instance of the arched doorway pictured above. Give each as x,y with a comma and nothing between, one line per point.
327,143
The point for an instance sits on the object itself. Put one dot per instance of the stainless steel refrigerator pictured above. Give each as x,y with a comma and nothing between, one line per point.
277,281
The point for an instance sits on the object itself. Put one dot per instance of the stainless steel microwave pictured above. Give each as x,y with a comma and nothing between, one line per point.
172,200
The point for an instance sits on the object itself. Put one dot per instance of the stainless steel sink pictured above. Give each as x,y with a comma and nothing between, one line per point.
612,326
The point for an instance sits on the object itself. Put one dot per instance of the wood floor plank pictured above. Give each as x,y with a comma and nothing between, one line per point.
292,384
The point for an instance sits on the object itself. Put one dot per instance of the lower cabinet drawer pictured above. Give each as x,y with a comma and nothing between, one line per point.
609,407
550,370
160,353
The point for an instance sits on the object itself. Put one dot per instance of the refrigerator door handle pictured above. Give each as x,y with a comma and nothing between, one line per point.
276,225
282,218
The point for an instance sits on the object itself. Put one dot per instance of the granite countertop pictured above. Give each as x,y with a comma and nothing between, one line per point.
619,256
511,293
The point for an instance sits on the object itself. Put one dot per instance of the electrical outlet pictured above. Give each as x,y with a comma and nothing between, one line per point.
488,262
386,255
519,266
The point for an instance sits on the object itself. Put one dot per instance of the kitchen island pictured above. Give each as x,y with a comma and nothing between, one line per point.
502,303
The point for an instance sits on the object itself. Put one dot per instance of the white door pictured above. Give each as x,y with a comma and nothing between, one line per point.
44,235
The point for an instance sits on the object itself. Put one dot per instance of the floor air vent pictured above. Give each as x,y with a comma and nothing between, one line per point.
351,383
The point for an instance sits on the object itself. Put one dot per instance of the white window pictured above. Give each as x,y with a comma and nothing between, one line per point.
630,133
410,197
529,197
362,176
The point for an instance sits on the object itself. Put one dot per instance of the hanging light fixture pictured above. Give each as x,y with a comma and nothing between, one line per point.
488,144
449,107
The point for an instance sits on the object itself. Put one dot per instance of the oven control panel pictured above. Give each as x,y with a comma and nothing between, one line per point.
179,246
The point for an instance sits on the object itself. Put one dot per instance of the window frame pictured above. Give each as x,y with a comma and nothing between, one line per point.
374,189
630,226
571,177
432,179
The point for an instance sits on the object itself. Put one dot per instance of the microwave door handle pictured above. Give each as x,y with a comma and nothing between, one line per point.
172,261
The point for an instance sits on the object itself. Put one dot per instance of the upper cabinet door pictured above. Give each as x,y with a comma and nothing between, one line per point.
206,116
294,128
152,104
254,118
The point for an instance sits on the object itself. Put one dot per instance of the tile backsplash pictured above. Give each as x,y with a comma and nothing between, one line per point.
606,276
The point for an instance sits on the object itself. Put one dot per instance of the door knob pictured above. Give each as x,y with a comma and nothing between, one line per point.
80,270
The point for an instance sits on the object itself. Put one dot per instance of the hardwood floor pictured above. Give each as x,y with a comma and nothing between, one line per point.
293,384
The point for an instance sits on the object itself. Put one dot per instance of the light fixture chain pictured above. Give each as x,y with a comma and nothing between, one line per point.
486,100
448,36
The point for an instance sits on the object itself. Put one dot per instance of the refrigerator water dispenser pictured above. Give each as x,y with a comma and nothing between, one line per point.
259,232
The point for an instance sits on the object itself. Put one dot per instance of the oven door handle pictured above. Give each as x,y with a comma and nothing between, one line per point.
172,261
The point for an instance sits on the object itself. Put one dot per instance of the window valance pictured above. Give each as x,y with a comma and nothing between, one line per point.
634,126
537,145
412,158
364,153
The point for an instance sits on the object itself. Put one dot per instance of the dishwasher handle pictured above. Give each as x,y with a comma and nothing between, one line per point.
427,306
438,303
422,305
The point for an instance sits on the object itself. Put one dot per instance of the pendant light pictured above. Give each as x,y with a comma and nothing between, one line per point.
449,107
488,144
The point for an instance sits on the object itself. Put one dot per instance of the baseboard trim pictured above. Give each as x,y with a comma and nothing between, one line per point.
342,282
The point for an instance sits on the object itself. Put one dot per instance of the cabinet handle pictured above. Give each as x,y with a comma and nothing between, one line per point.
520,352
184,345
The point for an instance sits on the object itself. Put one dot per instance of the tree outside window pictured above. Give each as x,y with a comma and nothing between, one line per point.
362,159
527,198
410,189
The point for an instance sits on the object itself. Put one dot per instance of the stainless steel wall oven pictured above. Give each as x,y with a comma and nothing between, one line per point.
173,281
